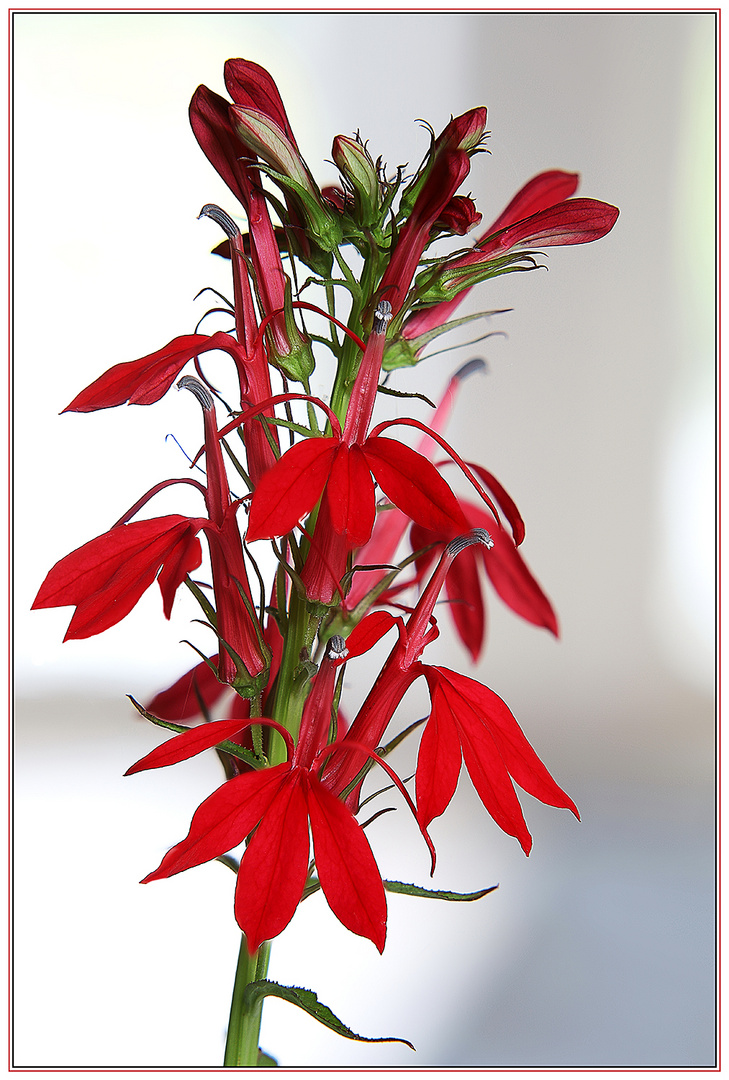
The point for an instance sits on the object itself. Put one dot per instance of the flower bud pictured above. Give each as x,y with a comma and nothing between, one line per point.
264,137
359,172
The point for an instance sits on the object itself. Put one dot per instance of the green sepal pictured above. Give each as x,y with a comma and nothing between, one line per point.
435,894
309,1002
441,283
401,352
298,363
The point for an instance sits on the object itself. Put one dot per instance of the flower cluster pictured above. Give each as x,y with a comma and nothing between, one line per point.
336,497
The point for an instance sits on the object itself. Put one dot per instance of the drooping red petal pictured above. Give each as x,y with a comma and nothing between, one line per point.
105,577
185,556
351,495
291,488
413,484
463,589
483,760
503,500
144,381
347,869
515,583
180,701
510,575
488,710
187,744
273,869
540,192
439,761
223,820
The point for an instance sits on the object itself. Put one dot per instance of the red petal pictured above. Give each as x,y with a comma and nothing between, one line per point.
504,501
413,484
346,866
223,820
463,589
144,381
252,86
291,488
211,127
187,744
186,556
273,869
180,701
368,632
106,577
351,495
577,221
515,584
540,192
519,757
439,760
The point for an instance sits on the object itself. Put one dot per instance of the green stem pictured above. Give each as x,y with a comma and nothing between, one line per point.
244,1026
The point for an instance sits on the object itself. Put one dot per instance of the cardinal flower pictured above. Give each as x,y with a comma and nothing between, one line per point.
105,578
468,723
541,214
280,803
343,466
505,568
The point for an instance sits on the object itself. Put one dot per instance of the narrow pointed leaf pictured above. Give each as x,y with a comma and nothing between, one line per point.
435,894
309,1002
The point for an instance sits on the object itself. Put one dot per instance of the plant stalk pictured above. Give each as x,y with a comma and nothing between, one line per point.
244,1026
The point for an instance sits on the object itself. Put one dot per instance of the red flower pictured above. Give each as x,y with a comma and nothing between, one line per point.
447,168
343,465
467,722
106,577
279,803
505,567
541,214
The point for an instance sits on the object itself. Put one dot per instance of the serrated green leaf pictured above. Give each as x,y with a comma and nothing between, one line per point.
435,894
309,1002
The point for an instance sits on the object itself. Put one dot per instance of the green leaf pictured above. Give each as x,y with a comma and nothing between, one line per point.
308,1001
265,1060
435,894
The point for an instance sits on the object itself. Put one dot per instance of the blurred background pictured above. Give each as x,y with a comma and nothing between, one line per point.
597,414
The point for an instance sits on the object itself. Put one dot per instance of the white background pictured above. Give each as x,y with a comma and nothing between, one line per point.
597,415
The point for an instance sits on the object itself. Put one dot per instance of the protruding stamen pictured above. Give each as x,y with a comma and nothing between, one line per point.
220,218
202,394
383,314
476,536
336,648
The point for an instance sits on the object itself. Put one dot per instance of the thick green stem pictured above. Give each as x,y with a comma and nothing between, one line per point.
244,1026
